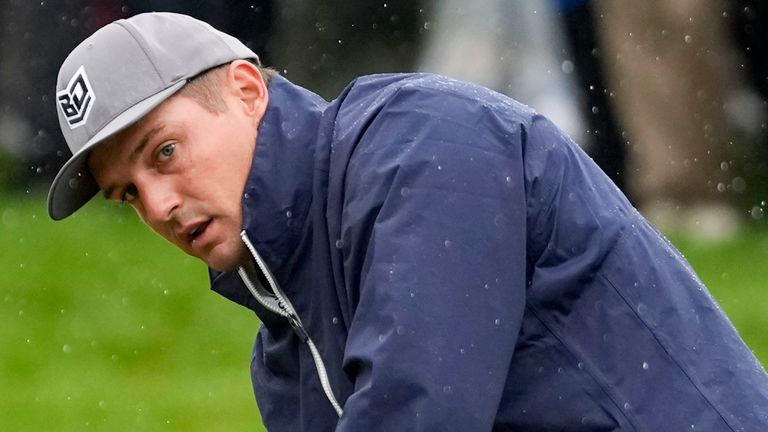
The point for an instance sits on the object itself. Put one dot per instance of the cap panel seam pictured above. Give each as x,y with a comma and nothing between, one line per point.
131,29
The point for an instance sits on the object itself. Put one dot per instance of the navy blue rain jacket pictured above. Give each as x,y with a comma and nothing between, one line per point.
461,265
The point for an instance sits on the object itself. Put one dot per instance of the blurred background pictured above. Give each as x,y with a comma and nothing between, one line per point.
104,327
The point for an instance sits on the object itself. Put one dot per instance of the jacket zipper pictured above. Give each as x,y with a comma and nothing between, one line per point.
279,304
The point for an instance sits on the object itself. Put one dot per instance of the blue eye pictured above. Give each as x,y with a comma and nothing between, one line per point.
167,150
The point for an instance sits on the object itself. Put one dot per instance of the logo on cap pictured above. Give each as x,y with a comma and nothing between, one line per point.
76,99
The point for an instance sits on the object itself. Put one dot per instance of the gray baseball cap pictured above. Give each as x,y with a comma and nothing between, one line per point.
117,76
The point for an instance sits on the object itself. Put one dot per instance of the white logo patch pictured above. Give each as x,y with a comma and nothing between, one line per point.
76,100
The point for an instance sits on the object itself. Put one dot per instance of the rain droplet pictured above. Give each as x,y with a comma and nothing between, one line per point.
102,404
66,349
580,365
447,243
497,321
756,213
567,67
166,291
645,365
400,330
381,338
627,406
595,110
335,320
447,389
72,183
721,187
738,184
339,244
288,214
642,309
688,39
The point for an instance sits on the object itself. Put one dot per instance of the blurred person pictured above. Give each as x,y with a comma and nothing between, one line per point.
605,143
513,47
424,253
673,70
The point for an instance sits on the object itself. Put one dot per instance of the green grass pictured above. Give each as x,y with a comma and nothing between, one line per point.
105,327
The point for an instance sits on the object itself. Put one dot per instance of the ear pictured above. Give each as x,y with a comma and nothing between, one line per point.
247,85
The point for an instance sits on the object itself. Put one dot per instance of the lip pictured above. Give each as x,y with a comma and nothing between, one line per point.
194,233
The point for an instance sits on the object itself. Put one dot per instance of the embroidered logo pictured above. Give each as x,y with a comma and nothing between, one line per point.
76,99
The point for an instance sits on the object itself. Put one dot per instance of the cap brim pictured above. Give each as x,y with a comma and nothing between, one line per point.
74,185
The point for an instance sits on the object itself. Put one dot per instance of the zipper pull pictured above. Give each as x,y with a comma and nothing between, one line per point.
298,328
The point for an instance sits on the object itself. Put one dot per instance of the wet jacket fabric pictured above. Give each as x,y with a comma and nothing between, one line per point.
462,265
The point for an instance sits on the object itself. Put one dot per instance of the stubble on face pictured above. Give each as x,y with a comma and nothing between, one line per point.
183,169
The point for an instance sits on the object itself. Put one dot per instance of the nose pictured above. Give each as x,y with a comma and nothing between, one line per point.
159,199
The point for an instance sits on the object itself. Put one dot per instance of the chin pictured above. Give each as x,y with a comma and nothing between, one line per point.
224,259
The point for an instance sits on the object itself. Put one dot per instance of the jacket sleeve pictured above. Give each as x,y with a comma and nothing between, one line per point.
434,223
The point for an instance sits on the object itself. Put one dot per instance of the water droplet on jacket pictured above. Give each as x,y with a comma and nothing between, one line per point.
288,214
508,179
642,309
335,320
447,389
580,365
72,183
447,243
381,338
400,330
404,191
497,321
339,244
627,406
645,366
688,39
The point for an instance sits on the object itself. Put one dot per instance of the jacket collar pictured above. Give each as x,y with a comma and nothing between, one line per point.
278,192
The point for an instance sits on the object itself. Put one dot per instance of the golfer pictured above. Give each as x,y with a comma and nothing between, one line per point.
424,254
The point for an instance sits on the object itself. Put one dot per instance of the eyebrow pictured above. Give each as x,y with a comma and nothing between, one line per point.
134,156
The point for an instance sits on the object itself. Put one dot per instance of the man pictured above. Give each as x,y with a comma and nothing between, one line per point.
424,254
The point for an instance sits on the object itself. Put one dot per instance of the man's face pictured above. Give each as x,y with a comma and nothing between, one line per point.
183,169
